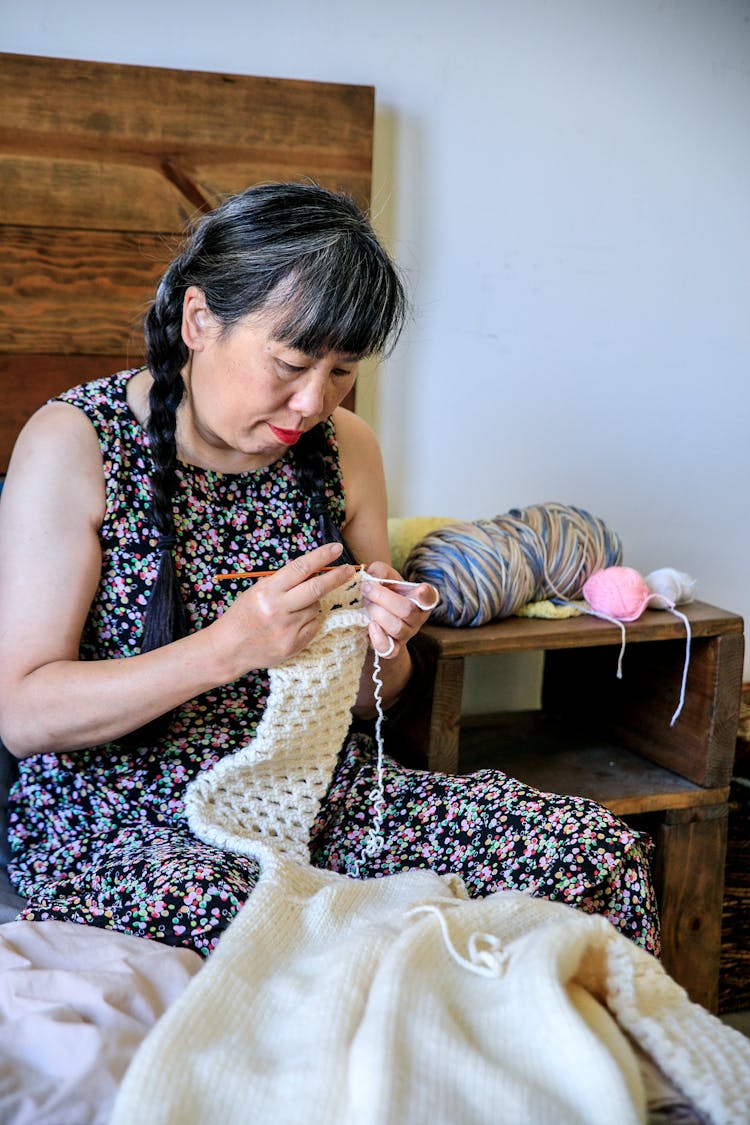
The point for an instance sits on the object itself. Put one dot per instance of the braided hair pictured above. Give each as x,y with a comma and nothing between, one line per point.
312,257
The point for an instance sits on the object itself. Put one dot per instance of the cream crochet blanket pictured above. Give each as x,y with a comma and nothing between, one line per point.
271,789
334,1001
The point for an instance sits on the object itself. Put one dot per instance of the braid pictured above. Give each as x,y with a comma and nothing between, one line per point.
166,617
310,470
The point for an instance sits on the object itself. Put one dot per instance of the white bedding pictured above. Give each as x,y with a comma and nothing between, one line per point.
75,1003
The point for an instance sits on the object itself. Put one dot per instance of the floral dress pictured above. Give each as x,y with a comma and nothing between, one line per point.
100,836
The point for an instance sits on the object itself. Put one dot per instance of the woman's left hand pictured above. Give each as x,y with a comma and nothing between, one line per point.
397,610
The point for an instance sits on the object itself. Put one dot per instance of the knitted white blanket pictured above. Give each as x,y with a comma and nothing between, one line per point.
334,1001
272,788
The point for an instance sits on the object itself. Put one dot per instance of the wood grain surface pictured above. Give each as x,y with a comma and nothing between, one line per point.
102,167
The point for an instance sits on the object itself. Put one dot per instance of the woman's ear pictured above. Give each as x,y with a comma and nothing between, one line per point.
198,323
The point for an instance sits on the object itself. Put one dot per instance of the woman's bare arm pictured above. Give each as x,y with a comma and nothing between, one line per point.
51,510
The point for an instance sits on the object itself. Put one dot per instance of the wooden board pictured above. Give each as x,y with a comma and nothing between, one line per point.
565,758
689,878
525,634
101,168
636,711
580,681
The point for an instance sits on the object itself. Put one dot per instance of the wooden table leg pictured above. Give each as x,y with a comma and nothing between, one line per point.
445,718
689,874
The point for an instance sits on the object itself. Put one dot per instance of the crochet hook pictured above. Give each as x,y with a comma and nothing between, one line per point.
357,566
266,573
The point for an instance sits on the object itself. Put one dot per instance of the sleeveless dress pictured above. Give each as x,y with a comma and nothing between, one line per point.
100,836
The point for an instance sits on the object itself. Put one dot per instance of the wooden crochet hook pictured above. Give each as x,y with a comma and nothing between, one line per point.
357,566
266,573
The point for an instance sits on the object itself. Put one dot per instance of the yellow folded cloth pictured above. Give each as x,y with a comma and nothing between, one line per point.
549,610
404,532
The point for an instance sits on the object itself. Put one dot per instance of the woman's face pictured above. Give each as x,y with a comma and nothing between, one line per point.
249,395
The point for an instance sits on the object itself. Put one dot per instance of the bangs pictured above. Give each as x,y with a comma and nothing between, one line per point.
340,299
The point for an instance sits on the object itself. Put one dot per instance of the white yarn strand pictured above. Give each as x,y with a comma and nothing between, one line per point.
584,608
487,962
374,841
686,665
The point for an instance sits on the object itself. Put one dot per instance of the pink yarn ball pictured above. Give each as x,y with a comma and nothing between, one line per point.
618,591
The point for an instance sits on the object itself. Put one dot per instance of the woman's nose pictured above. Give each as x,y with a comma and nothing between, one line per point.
309,397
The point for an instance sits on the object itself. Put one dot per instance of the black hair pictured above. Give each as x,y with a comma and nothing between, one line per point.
311,256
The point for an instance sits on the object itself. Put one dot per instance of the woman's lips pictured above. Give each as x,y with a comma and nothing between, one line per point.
288,437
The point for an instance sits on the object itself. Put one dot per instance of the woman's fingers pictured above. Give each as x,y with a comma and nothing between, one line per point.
279,614
383,644
397,611
306,566
301,583
422,594
401,600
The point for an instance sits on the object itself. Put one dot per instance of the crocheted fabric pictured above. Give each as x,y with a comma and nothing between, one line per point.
272,788
339,1001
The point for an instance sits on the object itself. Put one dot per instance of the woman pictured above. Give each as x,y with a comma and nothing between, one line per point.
126,667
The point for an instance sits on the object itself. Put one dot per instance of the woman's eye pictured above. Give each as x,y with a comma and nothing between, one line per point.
294,370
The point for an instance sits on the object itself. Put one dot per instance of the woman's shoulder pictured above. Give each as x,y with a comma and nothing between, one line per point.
100,398
68,435
360,458
56,456
359,448
353,433
55,427
106,403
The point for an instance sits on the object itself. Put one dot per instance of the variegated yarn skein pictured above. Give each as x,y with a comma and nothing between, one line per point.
488,569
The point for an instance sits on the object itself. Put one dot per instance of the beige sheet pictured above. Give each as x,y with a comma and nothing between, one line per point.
75,1003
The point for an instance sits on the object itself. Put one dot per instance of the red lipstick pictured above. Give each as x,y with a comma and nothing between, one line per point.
288,437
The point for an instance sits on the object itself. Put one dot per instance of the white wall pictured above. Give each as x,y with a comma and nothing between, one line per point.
568,188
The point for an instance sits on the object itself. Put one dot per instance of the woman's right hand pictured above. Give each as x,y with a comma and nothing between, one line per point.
278,616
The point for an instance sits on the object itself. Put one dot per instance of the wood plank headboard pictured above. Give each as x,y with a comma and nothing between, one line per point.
102,165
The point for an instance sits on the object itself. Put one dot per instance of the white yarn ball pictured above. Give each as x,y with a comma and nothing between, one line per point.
674,586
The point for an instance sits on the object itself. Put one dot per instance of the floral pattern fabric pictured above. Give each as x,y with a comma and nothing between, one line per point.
100,837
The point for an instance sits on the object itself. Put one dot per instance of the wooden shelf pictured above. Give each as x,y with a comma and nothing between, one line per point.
580,681
524,634
559,758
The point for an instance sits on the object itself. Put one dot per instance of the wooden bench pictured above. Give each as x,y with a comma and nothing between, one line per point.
611,740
